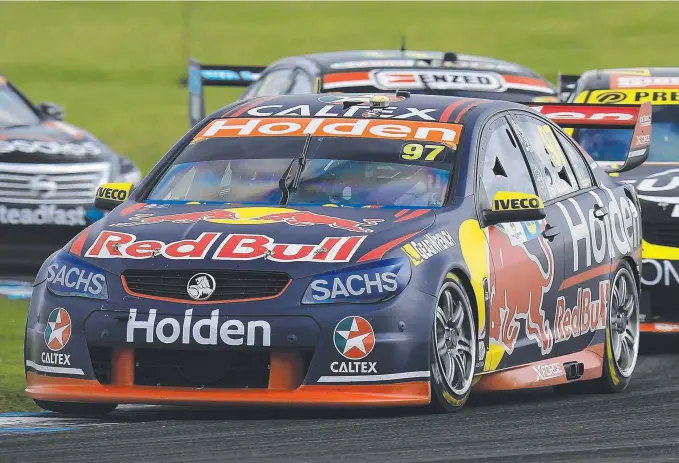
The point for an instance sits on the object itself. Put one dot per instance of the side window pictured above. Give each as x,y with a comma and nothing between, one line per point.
578,163
302,84
504,167
276,82
551,170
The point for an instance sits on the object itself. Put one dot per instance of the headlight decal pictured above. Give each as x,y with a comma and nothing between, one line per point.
69,276
367,283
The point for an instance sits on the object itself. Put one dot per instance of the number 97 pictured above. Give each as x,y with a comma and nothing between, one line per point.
413,151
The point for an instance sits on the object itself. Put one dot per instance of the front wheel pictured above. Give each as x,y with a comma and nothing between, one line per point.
76,409
453,347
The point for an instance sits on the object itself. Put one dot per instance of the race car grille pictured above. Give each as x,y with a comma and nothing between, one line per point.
230,285
201,369
51,183
662,234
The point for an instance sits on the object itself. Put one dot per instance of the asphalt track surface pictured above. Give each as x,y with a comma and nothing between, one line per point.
641,424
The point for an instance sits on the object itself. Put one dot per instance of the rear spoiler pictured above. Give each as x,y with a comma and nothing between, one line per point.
221,75
566,85
577,116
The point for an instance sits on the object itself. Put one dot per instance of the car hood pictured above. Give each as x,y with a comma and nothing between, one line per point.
50,142
300,241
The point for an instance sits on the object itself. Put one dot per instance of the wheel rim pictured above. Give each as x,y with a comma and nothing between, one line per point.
453,337
624,323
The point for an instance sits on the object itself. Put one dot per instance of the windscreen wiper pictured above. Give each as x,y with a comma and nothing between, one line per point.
287,186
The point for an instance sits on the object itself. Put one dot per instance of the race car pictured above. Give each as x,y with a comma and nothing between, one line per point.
657,182
370,71
391,256
49,172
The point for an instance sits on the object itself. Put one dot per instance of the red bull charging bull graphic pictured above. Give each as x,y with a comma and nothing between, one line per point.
513,298
255,216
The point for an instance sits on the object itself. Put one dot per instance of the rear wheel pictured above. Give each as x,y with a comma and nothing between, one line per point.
453,347
76,409
621,346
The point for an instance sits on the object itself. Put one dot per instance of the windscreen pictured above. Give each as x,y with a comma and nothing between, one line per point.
13,110
343,171
613,144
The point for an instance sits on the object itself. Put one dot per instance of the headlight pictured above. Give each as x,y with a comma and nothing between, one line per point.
70,276
372,282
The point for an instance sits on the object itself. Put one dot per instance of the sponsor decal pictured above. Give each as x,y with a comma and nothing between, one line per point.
513,204
592,115
548,371
512,298
644,82
520,232
57,329
67,277
255,216
585,317
354,338
55,358
354,367
114,191
659,185
365,283
204,331
617,234
201,286
337,288
115,245
428,246
659,272
42,215
321,127
50,147
663,97
438,80
335,109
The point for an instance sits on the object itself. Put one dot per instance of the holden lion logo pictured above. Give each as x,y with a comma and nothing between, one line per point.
354,338
201,286
58,329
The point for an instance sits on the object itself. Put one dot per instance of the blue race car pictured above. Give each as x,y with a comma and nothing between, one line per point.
331,251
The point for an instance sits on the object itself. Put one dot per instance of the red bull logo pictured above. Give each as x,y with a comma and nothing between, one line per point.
517,286
256,216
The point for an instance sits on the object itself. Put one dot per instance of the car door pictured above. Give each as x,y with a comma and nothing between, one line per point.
526,267
579,210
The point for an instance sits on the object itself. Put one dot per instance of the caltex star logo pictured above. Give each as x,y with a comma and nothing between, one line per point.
354,338
58,329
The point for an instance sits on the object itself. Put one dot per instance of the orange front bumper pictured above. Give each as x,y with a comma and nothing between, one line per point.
80,390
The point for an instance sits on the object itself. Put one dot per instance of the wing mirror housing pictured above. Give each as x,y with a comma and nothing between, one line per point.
52,111
508,206
111,195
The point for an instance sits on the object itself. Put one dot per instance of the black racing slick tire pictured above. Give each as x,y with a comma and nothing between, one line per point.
621,345
76,409
453,347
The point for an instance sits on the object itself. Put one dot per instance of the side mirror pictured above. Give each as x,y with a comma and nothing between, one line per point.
640,145
509,206
110,195
53,111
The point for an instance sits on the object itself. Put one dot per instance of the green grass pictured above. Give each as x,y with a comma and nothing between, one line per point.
116,66
12,380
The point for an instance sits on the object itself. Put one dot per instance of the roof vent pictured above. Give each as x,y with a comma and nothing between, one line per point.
403,93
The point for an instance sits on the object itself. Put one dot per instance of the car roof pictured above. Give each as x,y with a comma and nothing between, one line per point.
601,79
440,108
332,61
